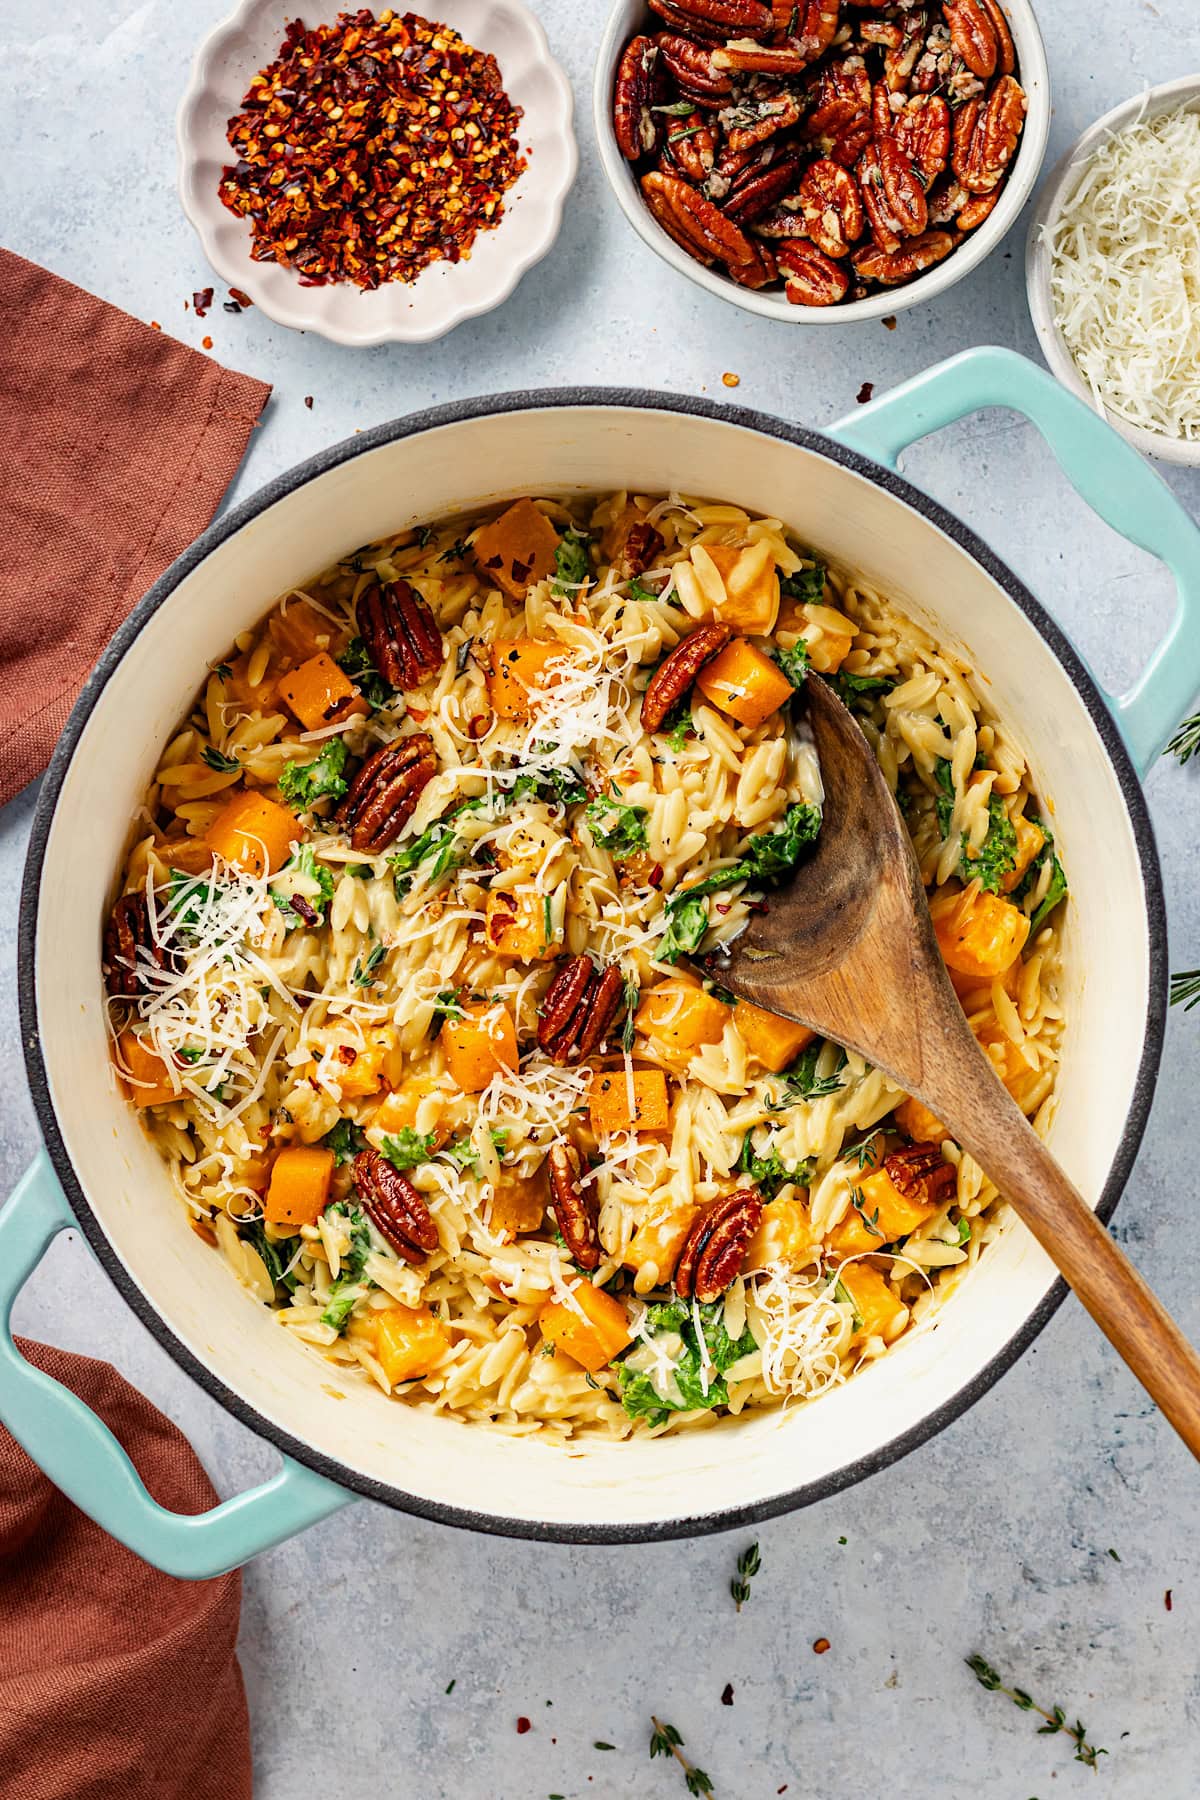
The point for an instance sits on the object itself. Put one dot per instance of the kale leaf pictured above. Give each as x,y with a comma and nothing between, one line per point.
303,784
996,857
617,828
409,1149
944,776
355,661
678,732
276,1253
850,688
806,586
769,1173
350,1284
765,857
687,922
794,663
685,1389
1056,891
570,561
304,898
345,1140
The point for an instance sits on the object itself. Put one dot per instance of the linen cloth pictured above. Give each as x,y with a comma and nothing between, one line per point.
116,445
116,1682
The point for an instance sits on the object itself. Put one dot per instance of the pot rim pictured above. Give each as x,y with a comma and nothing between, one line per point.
413,425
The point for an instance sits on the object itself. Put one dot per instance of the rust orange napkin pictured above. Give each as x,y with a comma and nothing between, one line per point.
116,1682
116,444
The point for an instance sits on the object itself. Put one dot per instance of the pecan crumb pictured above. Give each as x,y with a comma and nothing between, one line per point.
730,379
727,1694
821,1646
1167,1600
890,322
524,1725
865,392
308,400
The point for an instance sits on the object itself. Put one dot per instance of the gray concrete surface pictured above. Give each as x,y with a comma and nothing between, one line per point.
995,1537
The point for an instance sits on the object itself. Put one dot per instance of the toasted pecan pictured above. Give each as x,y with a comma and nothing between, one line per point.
132,949
578,1008
673,677
921,1173
385,791
394,1206
715,1246
575,1207
400,632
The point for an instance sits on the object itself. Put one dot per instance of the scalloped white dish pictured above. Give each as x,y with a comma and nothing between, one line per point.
444,294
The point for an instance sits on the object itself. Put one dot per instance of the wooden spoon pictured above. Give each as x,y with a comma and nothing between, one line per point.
847,948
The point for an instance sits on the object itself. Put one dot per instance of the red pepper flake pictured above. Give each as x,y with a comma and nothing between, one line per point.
206,342
865,392
243,300
1167,1601
727,1694
524,1725
154,325
371,148
308,401
202,299
821,1646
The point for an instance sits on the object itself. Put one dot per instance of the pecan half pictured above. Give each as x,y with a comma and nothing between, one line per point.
691,65
1006,54
921,1173
131,948
899,61
888,225
811,277
575,1207
758,273
831,207
690,149
849,144
394,1207
694,222
923,132
809,26
745,57
715,1246
842,94
673,678
400,633
902,188
946,200
976,210
642,548
973,35
891,267
757,188
773,116
731,15
677,16
639,88
986,134
385,791
578,1008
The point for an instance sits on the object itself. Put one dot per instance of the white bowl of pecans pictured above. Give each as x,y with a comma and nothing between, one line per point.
822,161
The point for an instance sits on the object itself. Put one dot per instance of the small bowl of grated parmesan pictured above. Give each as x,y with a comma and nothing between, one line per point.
1112,267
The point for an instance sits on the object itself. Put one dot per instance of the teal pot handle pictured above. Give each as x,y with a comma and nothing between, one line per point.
84,1460
1104,469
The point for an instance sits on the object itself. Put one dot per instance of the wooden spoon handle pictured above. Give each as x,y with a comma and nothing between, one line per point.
985,1121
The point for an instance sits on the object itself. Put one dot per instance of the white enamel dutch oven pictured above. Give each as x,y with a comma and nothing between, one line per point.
840,493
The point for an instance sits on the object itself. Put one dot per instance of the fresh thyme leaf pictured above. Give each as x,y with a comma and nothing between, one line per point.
1185,989
222,671
865,1153
462,656
944,776
598,1745
844,1297
1055,1717
456,553
448,1006
224,765
677,109
303,784
630,997
363,975
451,1685
870,1220
802,1082
748,1565
424,536
673,137
1186,741
666,1741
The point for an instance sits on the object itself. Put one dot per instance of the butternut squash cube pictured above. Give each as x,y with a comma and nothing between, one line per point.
413,1100
409,1341
1030,839
515,925
751,602
594,1339
236,689
299,1185
517,550
829,635
918,1123
881,1313
655,1246
980,935
518,1203
745,684
677,1018
143,1074
897,1216
516,669
784,1236
776,1042
483,1040
300,631
255,833
319,693
359,1072
608,1103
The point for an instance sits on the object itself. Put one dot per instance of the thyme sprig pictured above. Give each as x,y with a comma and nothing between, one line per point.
666,1741
1185,989
1056,1718
1186,742
748,1565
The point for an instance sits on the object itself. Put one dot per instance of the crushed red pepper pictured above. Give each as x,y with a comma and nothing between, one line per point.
371,148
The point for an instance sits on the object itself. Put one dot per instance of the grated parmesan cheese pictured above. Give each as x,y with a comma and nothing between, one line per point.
1125,275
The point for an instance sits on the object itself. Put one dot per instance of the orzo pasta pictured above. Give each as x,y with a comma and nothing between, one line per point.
398,972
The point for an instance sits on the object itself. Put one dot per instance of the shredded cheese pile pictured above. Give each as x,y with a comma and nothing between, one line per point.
1125,275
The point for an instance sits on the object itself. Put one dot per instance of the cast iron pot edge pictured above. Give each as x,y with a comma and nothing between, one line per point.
456,412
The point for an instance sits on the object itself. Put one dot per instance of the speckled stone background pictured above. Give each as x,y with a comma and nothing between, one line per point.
998,1535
